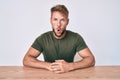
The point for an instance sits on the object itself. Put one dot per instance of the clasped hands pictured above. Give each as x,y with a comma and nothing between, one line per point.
60,66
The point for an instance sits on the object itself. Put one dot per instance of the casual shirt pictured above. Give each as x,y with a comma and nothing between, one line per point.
56,49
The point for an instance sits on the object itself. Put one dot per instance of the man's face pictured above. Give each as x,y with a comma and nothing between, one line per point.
59,23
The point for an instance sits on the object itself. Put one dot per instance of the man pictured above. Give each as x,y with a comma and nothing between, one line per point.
59,46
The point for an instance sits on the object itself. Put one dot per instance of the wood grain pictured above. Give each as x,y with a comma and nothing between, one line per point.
92,73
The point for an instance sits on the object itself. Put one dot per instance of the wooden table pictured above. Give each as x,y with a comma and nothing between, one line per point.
92,73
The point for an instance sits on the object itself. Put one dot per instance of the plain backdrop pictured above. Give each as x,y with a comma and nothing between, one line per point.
97,21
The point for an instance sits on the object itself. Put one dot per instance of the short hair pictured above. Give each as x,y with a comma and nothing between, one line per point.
60,8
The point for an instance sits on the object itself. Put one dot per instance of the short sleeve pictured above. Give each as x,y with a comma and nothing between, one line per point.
80,43
37,44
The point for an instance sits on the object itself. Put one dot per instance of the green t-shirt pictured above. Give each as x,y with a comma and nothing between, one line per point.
56,49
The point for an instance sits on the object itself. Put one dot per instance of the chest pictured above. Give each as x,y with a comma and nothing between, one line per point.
62,47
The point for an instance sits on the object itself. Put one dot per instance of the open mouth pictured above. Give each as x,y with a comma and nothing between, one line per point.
58,30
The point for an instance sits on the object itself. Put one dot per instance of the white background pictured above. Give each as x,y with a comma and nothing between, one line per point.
98,21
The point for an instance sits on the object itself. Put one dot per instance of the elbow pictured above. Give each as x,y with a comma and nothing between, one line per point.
92,61
25,62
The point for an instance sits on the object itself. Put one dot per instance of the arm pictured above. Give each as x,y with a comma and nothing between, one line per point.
30,59
61,66
88,59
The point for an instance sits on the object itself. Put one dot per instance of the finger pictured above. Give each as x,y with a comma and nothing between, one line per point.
58,71
55,67
55,64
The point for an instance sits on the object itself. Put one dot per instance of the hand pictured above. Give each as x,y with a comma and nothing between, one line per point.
48,67
61,66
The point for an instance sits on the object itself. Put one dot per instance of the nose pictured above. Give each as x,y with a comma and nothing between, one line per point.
58,23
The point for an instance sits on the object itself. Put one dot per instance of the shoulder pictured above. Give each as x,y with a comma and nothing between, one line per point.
73,34
44,35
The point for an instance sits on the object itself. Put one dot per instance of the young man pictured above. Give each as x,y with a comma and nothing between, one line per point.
59,46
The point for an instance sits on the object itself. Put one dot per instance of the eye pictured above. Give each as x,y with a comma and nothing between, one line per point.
63,20
55,19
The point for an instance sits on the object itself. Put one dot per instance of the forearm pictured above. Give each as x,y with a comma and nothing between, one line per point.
84,63
35,63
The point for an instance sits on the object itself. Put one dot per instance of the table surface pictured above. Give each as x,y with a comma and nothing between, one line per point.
92,73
